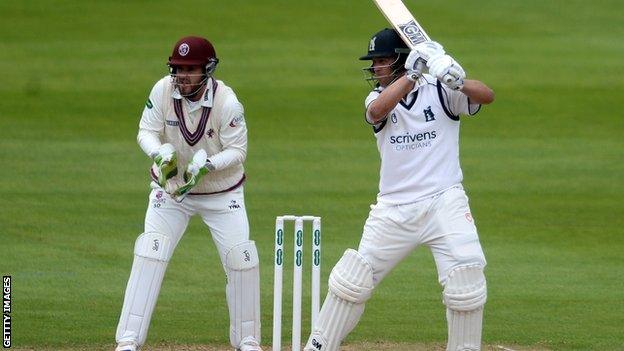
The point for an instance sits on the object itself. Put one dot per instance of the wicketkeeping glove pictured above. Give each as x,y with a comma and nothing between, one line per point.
447,71
166,161
417,58
195,171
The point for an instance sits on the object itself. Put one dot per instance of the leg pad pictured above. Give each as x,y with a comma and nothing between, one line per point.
243,293
350,286
464,295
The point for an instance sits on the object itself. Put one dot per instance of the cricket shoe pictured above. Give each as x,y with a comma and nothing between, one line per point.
249,344
127,346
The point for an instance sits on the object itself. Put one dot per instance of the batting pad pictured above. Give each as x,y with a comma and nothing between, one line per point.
464,296
350,286
152,251
243,292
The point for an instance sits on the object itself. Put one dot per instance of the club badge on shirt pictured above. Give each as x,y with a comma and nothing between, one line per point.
236,121
429,116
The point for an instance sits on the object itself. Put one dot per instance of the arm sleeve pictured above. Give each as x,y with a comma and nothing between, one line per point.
458,103
152,121
233,137
372,96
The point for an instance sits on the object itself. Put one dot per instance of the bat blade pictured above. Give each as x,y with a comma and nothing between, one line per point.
403,21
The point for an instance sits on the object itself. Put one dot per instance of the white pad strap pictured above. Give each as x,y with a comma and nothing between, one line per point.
464,296
152,251
350,286
465,288
243,292
352,278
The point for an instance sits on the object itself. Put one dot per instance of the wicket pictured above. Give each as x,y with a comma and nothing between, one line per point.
297,277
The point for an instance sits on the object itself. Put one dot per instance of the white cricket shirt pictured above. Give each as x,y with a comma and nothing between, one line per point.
216,124
419,142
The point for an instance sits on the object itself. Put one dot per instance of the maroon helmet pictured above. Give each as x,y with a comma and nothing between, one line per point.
194,51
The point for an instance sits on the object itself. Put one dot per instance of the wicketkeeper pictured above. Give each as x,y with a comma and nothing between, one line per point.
415,118
193,127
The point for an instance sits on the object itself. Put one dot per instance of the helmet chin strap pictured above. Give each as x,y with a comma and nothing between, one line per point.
200,86
208,70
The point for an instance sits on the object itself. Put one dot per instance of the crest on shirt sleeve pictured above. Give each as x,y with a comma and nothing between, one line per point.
236,121
149,104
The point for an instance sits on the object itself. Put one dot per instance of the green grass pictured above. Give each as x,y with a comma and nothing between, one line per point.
543,165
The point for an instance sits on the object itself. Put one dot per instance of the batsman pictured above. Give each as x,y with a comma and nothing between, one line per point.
193,128
414,111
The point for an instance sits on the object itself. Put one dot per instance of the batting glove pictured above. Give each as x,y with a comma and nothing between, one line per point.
423,52
166,161
195,171
448,71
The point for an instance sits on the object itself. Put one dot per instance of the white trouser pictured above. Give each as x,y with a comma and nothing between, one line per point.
225,216
443,223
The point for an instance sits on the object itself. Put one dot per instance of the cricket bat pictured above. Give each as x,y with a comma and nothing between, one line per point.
406,25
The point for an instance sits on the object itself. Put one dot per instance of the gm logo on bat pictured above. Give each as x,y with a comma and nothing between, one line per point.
413,32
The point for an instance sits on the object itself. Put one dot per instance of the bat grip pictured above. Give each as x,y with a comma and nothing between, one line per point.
448,78
419,67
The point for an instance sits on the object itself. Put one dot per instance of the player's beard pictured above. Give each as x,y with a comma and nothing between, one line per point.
188,89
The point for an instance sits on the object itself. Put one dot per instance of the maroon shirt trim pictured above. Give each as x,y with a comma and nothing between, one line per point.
189,137
240,182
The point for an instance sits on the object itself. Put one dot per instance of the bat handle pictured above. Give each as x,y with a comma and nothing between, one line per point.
448,78
420,67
